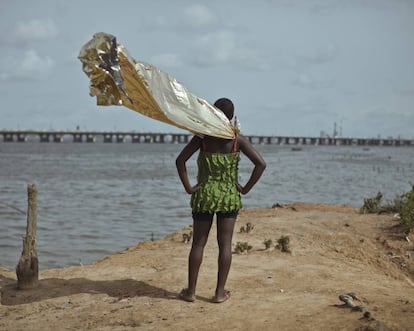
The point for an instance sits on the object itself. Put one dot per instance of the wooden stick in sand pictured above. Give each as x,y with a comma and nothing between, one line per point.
27,269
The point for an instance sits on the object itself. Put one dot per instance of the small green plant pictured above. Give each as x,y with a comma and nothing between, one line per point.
187,237
242,247
268,243
247,228
406,210
372,205
283,243
403,205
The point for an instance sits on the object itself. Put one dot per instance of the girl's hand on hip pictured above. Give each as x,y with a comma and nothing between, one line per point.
241,189
193,189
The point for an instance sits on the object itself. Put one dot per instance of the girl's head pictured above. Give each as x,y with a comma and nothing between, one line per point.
226,106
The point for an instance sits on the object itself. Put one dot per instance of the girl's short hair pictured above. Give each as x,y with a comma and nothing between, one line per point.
226,106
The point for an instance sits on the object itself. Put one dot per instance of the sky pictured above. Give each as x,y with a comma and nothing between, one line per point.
291,67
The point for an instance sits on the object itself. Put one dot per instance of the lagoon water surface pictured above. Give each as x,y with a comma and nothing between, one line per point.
97,199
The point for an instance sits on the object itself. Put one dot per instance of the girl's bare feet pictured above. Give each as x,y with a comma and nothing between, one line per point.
220,299
184,295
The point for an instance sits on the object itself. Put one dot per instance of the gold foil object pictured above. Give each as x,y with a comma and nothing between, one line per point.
118,79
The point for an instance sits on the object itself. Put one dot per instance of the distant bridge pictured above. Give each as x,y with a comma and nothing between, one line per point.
150,137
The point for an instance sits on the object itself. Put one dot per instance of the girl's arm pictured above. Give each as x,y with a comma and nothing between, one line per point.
259,164
182,158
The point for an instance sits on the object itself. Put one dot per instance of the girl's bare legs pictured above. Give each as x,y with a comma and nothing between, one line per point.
201,229
225,229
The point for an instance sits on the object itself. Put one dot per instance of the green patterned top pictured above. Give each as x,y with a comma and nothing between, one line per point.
217,178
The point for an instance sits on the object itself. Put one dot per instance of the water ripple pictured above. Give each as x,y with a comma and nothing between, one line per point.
96,199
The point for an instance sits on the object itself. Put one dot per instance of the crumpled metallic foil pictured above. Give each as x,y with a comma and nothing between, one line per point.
118,79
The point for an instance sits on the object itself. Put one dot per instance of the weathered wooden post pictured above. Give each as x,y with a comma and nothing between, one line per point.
27,269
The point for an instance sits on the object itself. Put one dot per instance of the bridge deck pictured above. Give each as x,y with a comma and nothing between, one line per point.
151,137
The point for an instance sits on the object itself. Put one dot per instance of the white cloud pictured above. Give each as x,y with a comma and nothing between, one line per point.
199,15
30,31
31,66
320,55
325,54
304,80
309,81
36,30
323,8
168,60
217,47
297,117
381,121
406,90
190,19
221,48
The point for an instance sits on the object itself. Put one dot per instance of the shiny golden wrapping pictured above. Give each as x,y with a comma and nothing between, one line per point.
118,79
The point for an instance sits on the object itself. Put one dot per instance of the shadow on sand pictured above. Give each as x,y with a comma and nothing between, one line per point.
54,287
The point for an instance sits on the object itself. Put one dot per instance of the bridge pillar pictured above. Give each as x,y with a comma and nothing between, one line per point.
21,137
180,138
44,137
58,138
120,138
136,138
8,137
77,138
90,138
160,138
107,138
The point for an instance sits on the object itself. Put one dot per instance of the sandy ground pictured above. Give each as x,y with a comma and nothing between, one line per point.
334,251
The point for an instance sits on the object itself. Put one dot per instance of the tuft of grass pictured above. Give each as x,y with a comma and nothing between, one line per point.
406,210
402,205
268,243
242,247
372,205
283,243
187,237
247,228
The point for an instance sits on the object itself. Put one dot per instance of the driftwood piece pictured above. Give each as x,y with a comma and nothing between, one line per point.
27,269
